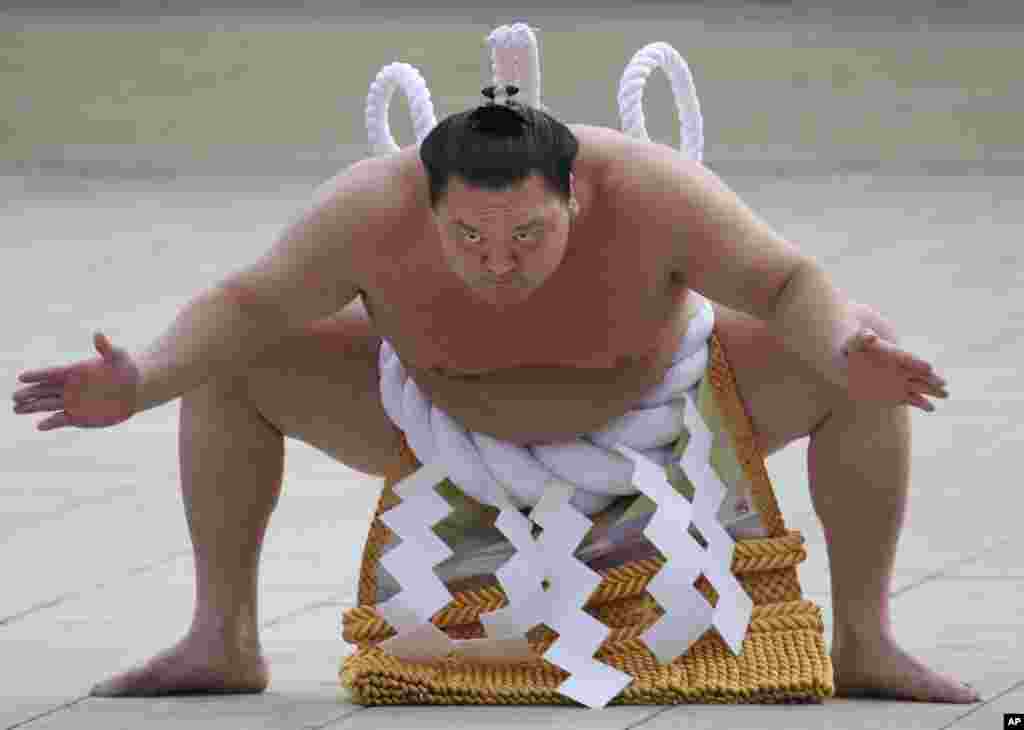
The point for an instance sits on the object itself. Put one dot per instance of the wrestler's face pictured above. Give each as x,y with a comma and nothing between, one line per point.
503,244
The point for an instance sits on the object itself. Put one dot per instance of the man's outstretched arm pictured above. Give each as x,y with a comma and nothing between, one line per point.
307,274
722,249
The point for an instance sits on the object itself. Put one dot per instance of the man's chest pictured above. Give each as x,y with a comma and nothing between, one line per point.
613,301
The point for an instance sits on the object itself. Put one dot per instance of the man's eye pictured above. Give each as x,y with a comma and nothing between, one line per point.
475,237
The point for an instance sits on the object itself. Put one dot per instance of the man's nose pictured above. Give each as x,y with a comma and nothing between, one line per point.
500,271
500,263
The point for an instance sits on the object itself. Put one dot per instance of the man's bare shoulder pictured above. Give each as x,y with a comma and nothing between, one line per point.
373,196
627,160
705,232
621,164
375,184
594,135
601,149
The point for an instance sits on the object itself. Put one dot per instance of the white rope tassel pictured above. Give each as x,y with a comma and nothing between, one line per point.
515,59
378,102
631,91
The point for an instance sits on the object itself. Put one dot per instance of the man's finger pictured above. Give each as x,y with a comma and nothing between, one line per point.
906,359
921,402
913,362
55,403
36,391
58,420
931,388
34,376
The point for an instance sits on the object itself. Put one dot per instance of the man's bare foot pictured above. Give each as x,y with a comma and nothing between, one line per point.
195,665
882,669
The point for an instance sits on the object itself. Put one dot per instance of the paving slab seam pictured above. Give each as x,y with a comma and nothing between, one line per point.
956,564
983,577
343,717
43,605
100,499
312,606
656,713
980,705
51,711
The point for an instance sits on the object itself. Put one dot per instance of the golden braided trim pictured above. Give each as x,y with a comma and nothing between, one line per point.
750,556
784,660
788,666
379,534
779,586
364,625
736,418
372,685
773,586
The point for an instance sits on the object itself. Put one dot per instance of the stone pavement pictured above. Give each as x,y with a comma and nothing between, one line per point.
142,162
95,556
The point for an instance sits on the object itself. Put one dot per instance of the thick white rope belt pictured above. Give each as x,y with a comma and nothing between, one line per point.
562,482
484,467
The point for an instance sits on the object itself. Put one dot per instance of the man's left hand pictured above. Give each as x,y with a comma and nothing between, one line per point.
880,372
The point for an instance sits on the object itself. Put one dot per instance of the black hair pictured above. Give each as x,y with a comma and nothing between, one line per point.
497,146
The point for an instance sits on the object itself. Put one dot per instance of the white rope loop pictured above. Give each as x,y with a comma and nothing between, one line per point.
378,102
631,92
515,59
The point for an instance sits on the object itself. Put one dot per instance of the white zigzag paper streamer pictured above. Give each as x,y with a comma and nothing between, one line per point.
570,582
735,607
423,593
687,613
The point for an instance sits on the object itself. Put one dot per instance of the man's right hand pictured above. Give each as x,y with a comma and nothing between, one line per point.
89,394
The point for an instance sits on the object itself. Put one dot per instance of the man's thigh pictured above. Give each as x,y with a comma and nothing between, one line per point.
321,386
785,398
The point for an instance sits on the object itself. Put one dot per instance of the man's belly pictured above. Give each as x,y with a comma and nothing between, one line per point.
551,403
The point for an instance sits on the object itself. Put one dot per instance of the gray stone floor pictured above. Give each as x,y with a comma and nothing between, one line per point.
95,555
883,139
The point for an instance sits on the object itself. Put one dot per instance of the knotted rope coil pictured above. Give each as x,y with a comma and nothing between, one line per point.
492,471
